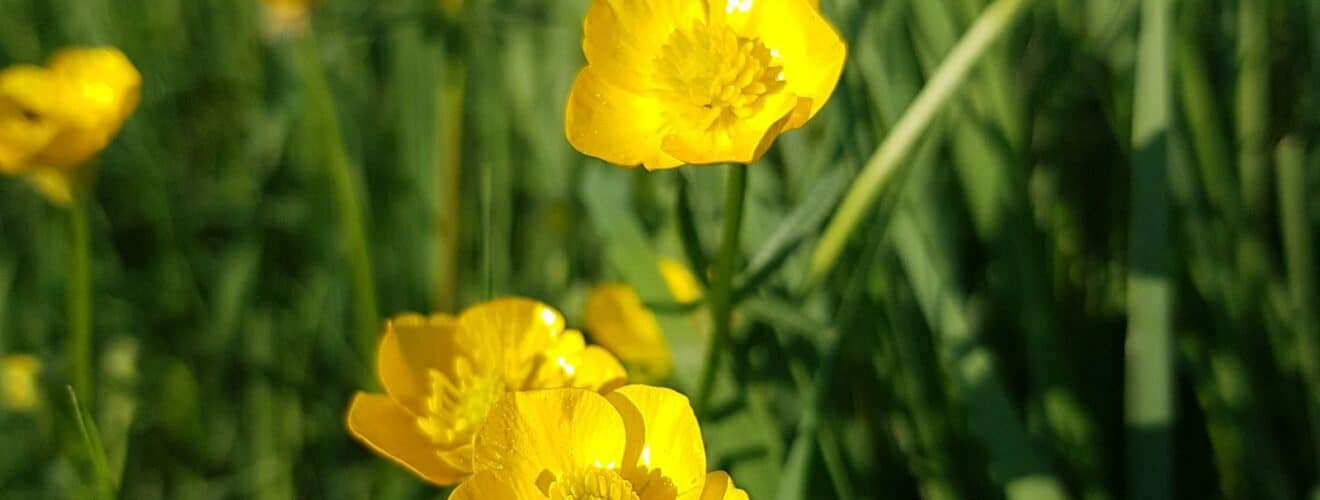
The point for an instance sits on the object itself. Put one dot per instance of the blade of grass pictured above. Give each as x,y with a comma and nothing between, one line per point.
102,482
991,417
1300,258
1253,102
347,193
1149,351
792,232
946,81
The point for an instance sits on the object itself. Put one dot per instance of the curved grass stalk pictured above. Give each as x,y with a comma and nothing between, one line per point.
946,81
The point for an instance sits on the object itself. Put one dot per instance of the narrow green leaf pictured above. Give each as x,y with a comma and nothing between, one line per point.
1149,349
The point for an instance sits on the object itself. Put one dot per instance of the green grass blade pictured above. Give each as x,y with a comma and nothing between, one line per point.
897,146
1253,102
1299,254
1149,351
104,484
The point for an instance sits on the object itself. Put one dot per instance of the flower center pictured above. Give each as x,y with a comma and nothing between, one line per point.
715,76
594,483
457,406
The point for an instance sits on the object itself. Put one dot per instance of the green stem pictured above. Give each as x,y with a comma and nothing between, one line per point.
347,197
948,78
79,295
721,292
1149,350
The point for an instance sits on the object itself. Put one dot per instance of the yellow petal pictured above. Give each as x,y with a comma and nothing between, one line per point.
484,486
811,51
613,124
29,120
621,37
619,321
412,346
56,185
106,83
508,334
743,141
682,285
663,435
719,486
535,435
598,370
391,431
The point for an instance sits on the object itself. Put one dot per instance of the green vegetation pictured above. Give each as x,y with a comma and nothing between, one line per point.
1032,249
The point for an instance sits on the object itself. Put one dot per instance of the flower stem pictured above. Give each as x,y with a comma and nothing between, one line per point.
721,292
948,78
79,295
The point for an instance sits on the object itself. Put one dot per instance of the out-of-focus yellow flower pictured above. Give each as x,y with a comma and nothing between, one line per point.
284,17
56,118
670,82
442,374
18,382
638,442
681,283
617,318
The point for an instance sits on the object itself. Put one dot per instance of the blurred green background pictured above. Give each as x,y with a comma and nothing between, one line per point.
969,342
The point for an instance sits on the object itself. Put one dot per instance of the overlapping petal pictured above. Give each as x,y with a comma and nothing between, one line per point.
390,430
719,486
621,127
413,345
535,437
636,442
663,436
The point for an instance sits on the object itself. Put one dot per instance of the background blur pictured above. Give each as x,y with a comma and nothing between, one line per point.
969,343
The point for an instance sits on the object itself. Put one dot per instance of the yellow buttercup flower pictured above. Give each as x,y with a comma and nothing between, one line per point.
637,442
619,321
56,118
670,82
18,382
442,374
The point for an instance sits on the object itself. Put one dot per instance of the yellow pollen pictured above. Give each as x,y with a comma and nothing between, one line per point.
592,484
714,77
457,407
